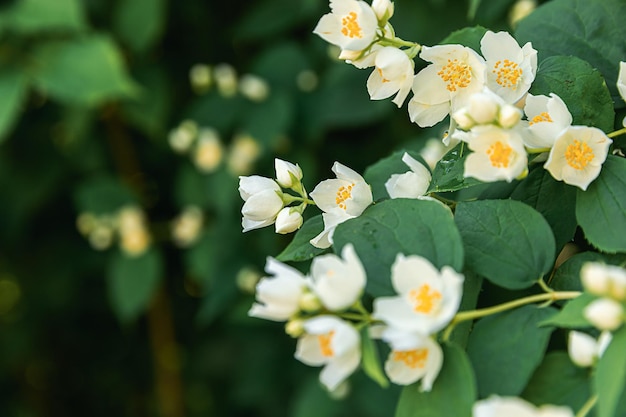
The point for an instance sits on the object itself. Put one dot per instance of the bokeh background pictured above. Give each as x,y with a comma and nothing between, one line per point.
125,279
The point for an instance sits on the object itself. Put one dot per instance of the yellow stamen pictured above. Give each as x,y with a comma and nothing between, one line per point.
384,80
351,26
424,299
578,155
508,73
456,74
415,358
343,193
541,117
499,155
325,341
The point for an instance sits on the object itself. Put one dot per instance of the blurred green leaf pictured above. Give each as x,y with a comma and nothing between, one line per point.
571,315
371,360
102,195
406,226
33,16
590,30
506,241
269,17
376,175
13,88
269,120
601,209
300,249
469,36
280,65
150,109
609,379
453,393
87,70
567,276
506,348
133,282
139,23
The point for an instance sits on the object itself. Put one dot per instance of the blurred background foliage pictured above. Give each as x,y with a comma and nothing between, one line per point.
125,278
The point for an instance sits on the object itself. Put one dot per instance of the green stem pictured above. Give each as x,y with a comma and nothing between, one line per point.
544,286
288,199
586,408
475,314
617,132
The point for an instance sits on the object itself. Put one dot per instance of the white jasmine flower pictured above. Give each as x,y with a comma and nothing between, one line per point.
433,151
510,69
621,83
262,201
278,295
393,75
383,10
288,220
288,175
411,184
604,280
577,155
351,25
547,118
331,342
427,298
445,85
496,406
498,154
413,357
605,314
338,281
340,199
585,350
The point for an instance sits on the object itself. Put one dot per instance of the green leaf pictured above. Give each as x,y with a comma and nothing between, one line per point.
407,226
558,381
102,195
371,360
567,276
571,315
150,109
453,393
376,175
267,18
492,12
139,23
581,87
86,70
448,174
591,30
601,210
132,283
300,249
609,379
13,89
506,348
538,190
469,37
506,241
472,286
280,65
473,7
32,16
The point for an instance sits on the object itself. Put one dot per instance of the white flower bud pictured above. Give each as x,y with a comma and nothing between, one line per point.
287,174
604,314
288,220
383,9
509,116
182,137
482,108
594,278
463,119
254,88
226,79
294,328
200,78
309,302
582,349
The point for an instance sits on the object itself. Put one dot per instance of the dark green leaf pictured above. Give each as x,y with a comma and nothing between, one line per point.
280,65
87,71
371,360
133,282
469,37
377,174
102,195
269,120
506,348
601,210
139,23
300,249
591,30
581,87
453,393
472,286
571,315
609,379
33,16
448,174
13,88
506,241
407,226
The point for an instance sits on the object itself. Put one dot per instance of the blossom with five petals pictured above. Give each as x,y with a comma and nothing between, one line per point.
332,342
577,155
351,25
547,118
263,199
340,199
516,407
411,184
393,75
427,300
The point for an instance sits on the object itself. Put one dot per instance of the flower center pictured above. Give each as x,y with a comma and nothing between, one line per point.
499,155
424,299
325,340
351,27
456,74
541,117
578,155
415,358
343,193
382,76
507,73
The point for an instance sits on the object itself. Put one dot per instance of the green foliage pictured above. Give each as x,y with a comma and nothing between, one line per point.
448,173
13,90
30,17
300,249
610,378
571,315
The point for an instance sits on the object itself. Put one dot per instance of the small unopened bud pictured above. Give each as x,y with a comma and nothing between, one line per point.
209,150
605,314
309,302
253,87
100,237
288,220
582,349
594,278
520,10
287,174
463,119
482,108
181,137
226,79
200,78
383,10
509,116
85,223
295,328
244,152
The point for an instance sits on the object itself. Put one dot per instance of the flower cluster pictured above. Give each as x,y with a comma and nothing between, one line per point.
323,310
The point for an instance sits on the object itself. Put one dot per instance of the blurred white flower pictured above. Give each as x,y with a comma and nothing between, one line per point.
584,350
333,343
182,136
604,280
577,155
225,77
338,281
244,151
132,229
208,151
186,227
200,77
427,298
516,407
605,314
254,87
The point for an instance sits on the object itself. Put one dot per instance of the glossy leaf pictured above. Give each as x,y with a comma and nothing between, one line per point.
448,174
300,248
571,315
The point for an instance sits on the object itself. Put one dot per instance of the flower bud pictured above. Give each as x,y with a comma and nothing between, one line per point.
594,279
309,302
287,174
225,77
509,116
482,108
288,220
253,87
604,314
582,349
383,10
463,119
294,328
